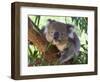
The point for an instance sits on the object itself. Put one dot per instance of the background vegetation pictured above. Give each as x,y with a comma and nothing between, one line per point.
35,57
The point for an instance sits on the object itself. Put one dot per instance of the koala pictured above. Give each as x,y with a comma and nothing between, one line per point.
57,33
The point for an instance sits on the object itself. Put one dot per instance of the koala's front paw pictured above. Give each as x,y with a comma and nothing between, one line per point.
63,57
58,54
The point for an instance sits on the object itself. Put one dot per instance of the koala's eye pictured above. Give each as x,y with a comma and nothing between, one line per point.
51,32
62,34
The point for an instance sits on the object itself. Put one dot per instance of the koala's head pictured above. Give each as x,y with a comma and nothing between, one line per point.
55,32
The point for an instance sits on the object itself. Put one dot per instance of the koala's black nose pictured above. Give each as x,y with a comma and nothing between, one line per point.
56,35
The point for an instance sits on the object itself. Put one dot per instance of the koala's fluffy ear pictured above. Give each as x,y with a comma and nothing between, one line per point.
45,30
70,30
50,20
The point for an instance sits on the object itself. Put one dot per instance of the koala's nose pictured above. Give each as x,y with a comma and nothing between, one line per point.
56,35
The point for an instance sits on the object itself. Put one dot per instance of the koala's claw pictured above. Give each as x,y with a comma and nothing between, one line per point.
58,54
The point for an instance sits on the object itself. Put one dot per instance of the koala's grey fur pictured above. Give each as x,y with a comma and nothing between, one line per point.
56,33
72,51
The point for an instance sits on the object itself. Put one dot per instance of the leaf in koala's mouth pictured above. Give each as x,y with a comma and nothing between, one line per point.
57,41
48,46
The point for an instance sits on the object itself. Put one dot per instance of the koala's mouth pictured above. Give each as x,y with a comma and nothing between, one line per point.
56,42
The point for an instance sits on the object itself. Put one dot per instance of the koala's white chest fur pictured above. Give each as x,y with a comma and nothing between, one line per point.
61,47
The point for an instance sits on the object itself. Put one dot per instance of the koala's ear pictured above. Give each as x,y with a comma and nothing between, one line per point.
45,30
70,27
50,20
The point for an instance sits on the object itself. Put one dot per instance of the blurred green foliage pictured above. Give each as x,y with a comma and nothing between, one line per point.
35,58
